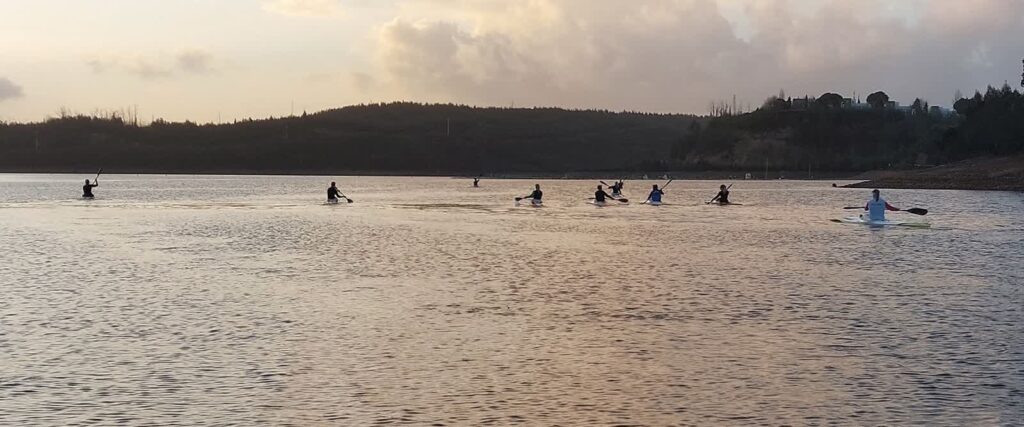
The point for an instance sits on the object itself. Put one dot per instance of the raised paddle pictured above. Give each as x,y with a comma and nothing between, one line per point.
915,211
345,197
98,175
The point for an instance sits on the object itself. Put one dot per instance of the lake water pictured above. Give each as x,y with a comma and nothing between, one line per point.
200,300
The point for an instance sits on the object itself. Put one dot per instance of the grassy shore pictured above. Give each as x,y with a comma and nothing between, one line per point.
997,174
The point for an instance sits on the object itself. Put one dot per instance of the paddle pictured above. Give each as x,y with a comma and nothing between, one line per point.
345,197
716,196
97,175
915,211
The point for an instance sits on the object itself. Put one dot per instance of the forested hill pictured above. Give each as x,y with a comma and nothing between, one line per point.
826,134
385,138
830,133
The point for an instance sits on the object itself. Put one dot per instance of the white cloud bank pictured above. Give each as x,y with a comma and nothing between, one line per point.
677,55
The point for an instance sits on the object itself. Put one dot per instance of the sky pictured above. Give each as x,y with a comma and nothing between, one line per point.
219,60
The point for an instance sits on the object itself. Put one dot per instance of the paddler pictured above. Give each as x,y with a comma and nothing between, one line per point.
600,195
877,206
722,197
617,188
332,193
536,195
476,182
87,188
655,196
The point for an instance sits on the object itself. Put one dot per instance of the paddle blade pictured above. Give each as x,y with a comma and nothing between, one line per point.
623,200
519,198
917,211
348,199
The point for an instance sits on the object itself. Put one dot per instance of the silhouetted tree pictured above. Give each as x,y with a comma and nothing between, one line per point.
830,100
878,99
918,107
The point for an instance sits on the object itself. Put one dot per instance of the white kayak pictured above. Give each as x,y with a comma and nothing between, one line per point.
536,203
606,203
882,223
652,203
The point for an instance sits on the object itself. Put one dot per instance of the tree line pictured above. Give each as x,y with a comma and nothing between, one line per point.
830,133
412,138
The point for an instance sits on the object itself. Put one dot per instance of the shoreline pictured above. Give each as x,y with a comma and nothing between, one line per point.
606,175
981,174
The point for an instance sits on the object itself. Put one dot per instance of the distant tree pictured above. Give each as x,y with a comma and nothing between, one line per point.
917,107
962,106
775,104
878,99
830,100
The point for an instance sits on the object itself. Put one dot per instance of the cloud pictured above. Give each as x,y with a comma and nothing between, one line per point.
195,61
192,61
316,8
677,55
9,90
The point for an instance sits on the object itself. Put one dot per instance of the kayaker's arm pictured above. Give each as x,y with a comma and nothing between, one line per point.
889,207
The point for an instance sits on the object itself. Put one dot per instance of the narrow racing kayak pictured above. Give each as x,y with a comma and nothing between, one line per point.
882,223
531,202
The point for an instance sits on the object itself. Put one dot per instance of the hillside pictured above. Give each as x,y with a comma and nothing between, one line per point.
401,138
823,137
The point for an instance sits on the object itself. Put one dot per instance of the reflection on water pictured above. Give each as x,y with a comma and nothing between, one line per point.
244,300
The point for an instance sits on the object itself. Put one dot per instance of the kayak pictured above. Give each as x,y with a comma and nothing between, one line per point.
652,203
882,223
532,202
606,203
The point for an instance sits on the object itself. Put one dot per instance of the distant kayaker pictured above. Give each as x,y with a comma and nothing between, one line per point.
877,206
600,195
87,188
536,195
332,193
476,182
617,188
655,196
722,197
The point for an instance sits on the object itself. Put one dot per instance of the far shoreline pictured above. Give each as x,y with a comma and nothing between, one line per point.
983,174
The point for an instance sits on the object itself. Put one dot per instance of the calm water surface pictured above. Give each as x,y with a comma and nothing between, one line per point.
195,300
